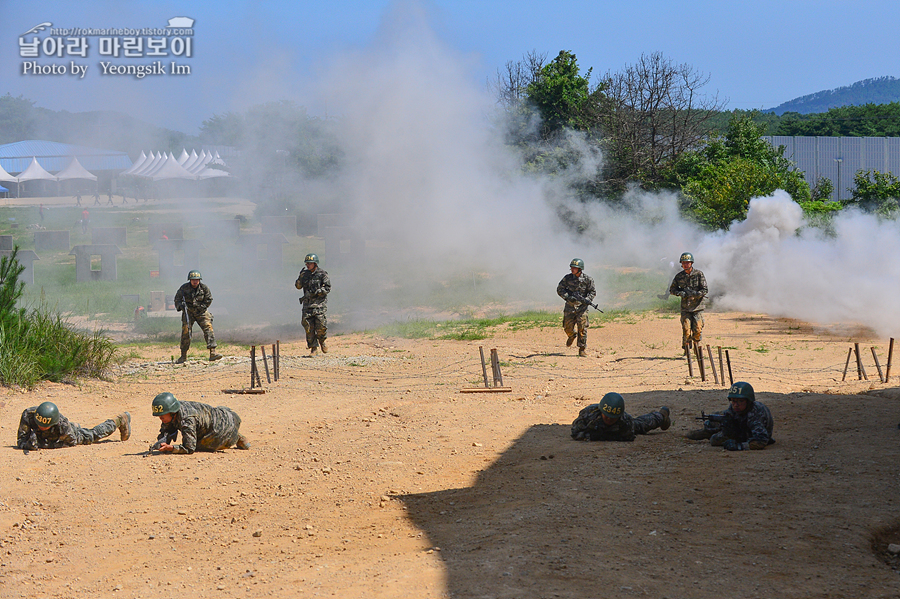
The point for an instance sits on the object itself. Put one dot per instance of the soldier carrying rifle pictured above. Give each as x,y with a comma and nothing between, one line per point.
193,299
578,290
316,286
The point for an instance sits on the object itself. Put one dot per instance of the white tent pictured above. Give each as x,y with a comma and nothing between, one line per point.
148,165
34,171
184,156
200,163
4,176
189,163
75,171
137,165
170,169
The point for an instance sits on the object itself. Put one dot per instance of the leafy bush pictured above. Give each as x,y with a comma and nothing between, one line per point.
37,344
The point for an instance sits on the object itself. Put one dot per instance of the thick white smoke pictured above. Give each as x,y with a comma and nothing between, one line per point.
770,264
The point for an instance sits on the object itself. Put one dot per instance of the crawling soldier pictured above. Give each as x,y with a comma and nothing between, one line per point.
608,421
43,427
202,427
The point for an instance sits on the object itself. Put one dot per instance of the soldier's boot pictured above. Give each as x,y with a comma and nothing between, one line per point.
700,434
323,346
123,422
213,356
571,340
667,420
313,351
242,443
582,353
182,359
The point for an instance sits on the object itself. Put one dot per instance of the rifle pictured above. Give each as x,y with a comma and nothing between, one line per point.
583,300
168,438
710,417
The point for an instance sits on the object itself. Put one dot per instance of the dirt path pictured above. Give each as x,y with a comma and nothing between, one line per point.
371,475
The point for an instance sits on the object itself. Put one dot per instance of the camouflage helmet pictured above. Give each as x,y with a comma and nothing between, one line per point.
686,257
165,403
612,405
311,258
194,274
47,414
577,263
742,390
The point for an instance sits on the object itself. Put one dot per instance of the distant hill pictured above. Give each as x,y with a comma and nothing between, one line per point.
881,90
20,120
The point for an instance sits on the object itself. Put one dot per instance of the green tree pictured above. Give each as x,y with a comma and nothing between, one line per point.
17,119
562,96
11,288
720,180
876,191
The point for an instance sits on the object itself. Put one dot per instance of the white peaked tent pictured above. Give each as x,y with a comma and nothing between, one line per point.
200,163
4,176
191,160
34,171
137,165
170,169
75,171
184,156
148,165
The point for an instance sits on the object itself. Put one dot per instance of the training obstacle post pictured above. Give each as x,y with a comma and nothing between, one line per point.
712,364
730,376
887,372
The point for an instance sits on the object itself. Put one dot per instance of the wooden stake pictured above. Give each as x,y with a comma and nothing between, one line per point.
495,364
847,365
712,364
483,367
730,376
887,372
877,365
275,357
860,369
687,354
721,365
253,367
266,364
699,352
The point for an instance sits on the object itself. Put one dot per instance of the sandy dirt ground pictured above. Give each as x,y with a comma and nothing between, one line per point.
372,475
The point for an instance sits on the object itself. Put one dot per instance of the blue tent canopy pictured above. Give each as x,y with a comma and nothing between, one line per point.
3,189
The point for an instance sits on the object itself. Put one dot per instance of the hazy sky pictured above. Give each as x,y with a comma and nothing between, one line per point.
757,55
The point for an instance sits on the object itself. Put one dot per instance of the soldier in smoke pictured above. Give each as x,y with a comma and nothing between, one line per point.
193,299
690,286
316,286
578,290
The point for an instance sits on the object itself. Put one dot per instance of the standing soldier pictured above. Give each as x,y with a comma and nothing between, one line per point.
193,299
578,290
690,286
43,427
316,286
202,427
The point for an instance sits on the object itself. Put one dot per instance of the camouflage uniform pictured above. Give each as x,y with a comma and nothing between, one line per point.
61,434
195,302
692,290
753,428
202,427
589,425
316,286
575,313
